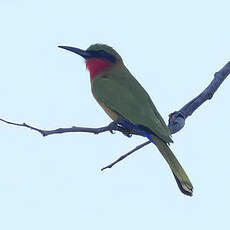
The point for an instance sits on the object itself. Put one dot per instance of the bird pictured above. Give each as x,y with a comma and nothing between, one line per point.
126,102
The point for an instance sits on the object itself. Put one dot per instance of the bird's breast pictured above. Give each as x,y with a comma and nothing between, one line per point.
109,112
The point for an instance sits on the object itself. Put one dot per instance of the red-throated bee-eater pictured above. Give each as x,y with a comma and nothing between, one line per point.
124,99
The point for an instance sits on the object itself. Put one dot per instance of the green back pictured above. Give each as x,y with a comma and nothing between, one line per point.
123,94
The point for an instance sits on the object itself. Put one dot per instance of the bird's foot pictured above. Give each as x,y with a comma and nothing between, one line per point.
125,130
127,134
113,126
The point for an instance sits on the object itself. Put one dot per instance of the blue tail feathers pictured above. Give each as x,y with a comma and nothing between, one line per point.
144,132
138,128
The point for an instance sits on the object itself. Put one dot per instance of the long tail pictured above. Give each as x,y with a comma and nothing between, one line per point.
182,179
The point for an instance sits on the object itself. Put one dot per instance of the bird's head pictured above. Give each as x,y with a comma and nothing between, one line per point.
99,57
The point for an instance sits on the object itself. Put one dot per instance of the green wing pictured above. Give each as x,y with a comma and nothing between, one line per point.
120,92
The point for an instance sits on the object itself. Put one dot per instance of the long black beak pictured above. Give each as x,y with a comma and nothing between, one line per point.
84,53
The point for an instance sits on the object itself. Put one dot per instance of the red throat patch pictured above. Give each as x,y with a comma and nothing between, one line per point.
96,65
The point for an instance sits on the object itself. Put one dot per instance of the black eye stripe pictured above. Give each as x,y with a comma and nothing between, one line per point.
102,54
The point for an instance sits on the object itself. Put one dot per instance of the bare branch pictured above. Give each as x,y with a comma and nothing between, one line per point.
125,155
113,126
177,118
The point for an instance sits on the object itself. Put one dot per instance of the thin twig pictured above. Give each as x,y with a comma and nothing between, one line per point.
125,155
113,126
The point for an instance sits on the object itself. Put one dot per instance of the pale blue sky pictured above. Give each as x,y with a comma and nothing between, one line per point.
173,48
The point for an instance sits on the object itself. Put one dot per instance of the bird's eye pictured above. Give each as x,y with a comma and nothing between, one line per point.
107,56
104,55
101,51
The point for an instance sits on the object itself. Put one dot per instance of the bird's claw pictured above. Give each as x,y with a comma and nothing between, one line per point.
112,127
116,126
127,134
